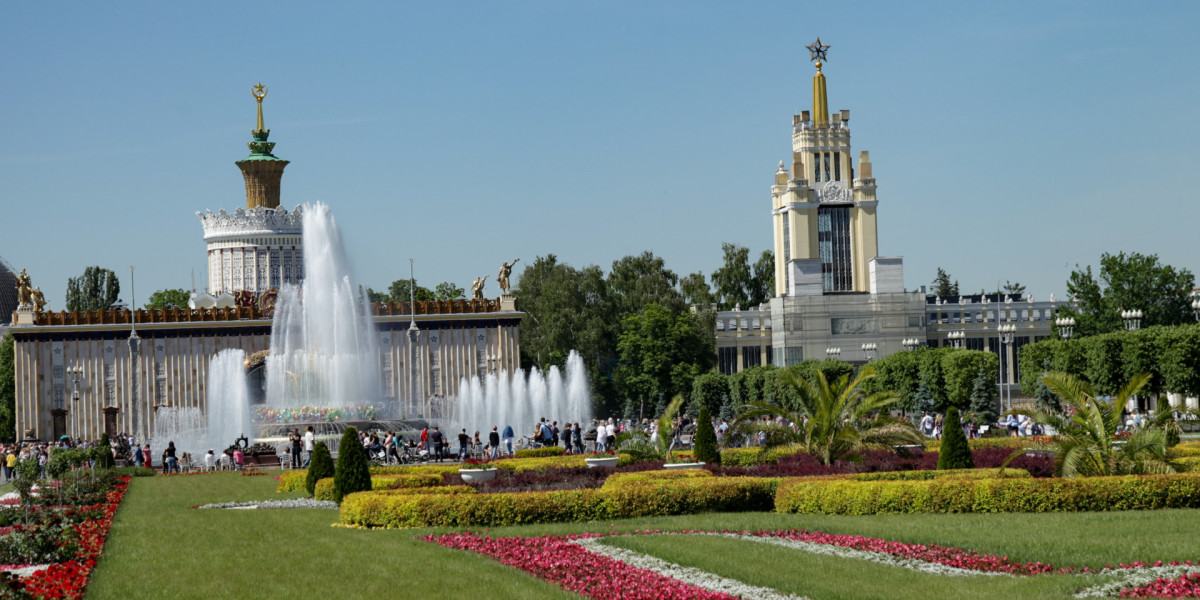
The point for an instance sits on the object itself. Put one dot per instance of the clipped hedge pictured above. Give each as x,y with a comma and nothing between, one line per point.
1186,449
540,452
677,497
652,477
292,481
995,442
1003,495
441,489
325,490
942,474
748,457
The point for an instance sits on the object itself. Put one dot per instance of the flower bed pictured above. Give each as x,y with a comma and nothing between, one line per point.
1131,492
668,497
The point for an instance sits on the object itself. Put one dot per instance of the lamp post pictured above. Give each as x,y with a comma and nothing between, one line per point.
413,334
141,428
957,338
910,343
870,348
1066,327
1196,308
493,363
75,373
833,352
1005,332
1132,318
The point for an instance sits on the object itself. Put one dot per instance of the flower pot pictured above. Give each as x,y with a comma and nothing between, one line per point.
602,461
477,475
681,466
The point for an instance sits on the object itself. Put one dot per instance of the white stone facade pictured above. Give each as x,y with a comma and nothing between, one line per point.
254,250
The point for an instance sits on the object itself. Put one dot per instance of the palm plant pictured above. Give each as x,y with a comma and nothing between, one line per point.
1085,442
642,448
834,420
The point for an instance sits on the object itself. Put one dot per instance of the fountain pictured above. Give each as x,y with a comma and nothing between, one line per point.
520,399
228,411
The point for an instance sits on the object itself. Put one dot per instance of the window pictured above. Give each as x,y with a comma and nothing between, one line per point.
914,322
787,237
727,360
833,244
816,166
794,356
837,166
827,167
751,356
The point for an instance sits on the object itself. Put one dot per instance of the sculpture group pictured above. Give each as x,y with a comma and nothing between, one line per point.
27,295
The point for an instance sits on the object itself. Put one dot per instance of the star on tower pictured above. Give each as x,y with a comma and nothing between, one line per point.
817,50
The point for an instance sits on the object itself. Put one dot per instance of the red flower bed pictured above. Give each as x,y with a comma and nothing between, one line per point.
556,560
1184,586
69,579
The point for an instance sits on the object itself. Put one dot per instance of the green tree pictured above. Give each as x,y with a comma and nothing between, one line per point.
923,398
320,466
954,452
959,370
96,289
103,454
739,284
706,439
175,298
694,289
8,389
661,353
1084,440
1012,288
942,286
838,420
448,291
1126,282
351,473
399,292
636,282
709,391
762,287
983,396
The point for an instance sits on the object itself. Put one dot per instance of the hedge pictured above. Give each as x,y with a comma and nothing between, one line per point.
748,457
325,487
936,474
995,442
540,452
292,481
686,496
441,489
959,495
651,477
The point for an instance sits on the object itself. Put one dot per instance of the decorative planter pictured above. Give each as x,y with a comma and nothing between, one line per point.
602,461
681,466
477,475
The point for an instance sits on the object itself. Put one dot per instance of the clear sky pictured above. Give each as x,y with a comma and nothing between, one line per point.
1009,140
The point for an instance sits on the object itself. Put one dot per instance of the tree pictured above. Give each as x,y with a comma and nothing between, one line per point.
351,473
706,439
636,282
8,389
175,298
835,420
661,353
726,409
923,399
738,284
1012,288
954,453
762,287
942,286
1133,281
103,454
448,291
983,396
709,391
399,292
320,466
695,290
96,289
1084,440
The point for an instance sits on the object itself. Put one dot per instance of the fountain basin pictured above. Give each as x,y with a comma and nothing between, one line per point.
602,461
683,466
477,475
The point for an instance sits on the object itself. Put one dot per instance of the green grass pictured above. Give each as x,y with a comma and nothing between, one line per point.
160,548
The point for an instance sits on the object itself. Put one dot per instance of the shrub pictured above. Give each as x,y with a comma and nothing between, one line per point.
293,481
631,479
997,442
102,453
320,466
134,472
955,453
746,457
540,452
351,473
941,474
1001,495
439,490
706,439
326,488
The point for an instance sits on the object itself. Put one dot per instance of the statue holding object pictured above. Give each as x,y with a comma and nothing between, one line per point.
502,278
39,301
24,290
477,287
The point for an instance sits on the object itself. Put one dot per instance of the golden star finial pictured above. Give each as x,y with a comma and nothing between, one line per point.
260,90
817,50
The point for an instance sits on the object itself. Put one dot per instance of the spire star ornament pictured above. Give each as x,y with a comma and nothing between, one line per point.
817,50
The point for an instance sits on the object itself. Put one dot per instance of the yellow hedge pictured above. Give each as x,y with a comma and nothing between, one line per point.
1001,495
939,474
441,489
651,477
324,487
995,442
748,457
292,481
671,497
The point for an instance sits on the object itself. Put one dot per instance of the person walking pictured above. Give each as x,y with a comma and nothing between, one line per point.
463,441
493,443
508,438
146,458
566,437
310,438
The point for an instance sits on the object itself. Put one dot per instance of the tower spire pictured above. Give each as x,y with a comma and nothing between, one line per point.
261,170
817,52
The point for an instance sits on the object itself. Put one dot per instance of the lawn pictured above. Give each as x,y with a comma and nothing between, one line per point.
161,548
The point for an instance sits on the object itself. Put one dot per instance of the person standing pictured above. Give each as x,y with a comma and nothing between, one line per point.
172,465
601,437
508,438
494,443
297,445
611,429
10,462
927,425
463,441
566,437
435,438
310,438
146,458
577,433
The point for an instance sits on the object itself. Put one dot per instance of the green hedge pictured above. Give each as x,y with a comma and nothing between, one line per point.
994,442
748,457
949,495
940,474
652,477
540,452
681,496
325,490
134,472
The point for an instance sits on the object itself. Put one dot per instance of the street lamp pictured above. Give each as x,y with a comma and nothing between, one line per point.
1006,332
493,363
957,338
833,352
910,343
870,348
1066,327
1132,318
413,333
1196,308
75,373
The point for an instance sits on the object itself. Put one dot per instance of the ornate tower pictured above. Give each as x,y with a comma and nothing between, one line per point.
257,248
824,211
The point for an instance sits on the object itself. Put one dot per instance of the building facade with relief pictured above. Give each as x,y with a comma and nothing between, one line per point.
251,252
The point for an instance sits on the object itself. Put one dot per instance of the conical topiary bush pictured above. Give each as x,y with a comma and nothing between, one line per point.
320,466
706,439
351,474
102,453
954,453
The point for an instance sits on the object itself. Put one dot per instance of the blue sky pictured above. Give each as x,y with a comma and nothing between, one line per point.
1009,140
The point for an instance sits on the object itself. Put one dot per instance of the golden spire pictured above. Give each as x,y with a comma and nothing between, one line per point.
259,91
817,52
